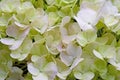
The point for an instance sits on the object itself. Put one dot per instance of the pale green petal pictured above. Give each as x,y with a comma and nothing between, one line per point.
110,21
53,40
78,75
107,51
85,76
15,74
50,2
86,37
22,52
3,72
9,6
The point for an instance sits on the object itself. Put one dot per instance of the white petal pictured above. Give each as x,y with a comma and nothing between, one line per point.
24,33
63,75
50,67
15,55
110,21
12,31
32,69
109,9
23,56
67,39
65,20
83,25
76,62
74,50
34,58
97,54
78,75
7,41
43,29
88,76
66,59
51,70
84,20
41,76
16,44
21,25
85,76
83,14
81,40
113,62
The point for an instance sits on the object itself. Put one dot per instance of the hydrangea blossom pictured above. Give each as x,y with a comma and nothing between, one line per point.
59,40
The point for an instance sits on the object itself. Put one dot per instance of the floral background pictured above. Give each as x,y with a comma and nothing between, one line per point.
59,40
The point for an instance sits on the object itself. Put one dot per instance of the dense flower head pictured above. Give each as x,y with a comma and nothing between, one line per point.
59,40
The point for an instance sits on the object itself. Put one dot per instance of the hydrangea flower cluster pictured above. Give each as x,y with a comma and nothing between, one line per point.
59,40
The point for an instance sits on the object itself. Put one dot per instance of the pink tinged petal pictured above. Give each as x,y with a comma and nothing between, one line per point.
24,33
60,48
7,41
12,31
16,45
